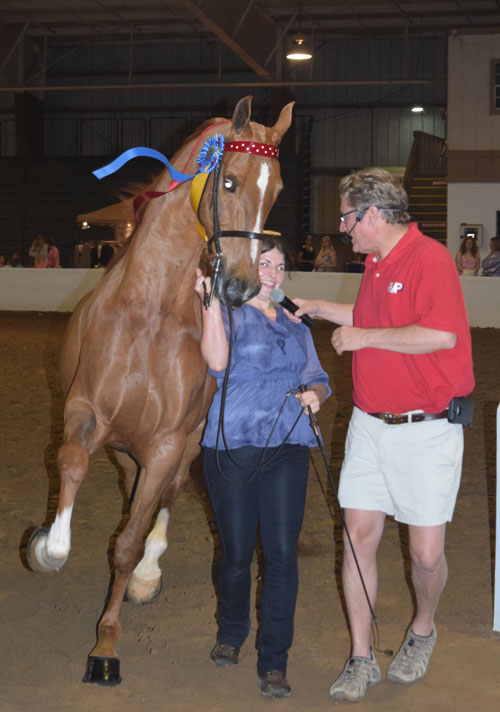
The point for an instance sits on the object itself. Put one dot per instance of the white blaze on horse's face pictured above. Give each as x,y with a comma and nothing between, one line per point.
262,183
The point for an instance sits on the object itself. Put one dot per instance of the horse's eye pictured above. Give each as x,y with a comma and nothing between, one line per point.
230,184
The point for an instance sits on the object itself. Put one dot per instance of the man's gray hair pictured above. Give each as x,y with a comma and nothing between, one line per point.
376,186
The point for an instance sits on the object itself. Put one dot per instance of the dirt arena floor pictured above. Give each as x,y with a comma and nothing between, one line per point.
48,620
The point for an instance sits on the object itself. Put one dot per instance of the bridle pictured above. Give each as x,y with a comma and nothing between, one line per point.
198,187
209,161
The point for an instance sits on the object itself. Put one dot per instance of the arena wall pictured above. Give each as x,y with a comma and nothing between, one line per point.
60,290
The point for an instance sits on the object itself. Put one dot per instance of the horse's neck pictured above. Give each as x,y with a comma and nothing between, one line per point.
161,262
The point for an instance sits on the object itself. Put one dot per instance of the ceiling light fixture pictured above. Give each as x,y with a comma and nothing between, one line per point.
417,109
300,49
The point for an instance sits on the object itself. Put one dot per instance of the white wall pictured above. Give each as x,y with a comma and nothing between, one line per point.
470,124
474,203
60,290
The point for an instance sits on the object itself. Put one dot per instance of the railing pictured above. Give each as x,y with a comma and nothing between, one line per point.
427,155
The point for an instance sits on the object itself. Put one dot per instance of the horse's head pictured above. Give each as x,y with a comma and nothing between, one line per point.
242,192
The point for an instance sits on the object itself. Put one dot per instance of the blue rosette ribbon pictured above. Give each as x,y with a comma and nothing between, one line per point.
210,155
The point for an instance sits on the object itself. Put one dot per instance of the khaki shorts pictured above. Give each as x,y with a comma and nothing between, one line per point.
411,471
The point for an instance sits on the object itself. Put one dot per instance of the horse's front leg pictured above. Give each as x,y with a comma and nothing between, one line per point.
145,582
48,549
103,665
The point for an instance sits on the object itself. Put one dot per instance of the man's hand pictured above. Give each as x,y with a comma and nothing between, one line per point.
347,338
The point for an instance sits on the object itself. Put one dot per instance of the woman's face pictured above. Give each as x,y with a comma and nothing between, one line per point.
468,243
271,272
325,241
309,240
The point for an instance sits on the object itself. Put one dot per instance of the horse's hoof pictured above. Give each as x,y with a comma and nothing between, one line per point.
142,592
103,671
37,555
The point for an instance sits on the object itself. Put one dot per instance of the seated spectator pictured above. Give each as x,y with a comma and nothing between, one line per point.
326,261
491,264
53,255
306,255
15,260
3,261
38,251
467,258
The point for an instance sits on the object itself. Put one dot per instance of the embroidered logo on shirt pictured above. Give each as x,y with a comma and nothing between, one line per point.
395,287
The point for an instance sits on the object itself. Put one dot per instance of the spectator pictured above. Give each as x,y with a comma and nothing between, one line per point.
467,258
491,264
15,260
326,261
101,254
306,255
81,256
53,255
38,251
3,261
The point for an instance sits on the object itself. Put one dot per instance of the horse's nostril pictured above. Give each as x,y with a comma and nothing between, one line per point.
236,292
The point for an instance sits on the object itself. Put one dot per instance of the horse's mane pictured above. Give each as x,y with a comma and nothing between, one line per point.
132,190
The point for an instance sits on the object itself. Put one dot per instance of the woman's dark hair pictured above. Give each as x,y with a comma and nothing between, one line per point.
496,241
271,242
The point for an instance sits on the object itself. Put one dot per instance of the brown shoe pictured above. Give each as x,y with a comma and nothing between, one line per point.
223,655
273,684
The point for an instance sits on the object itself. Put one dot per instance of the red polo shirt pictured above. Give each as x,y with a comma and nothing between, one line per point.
417,283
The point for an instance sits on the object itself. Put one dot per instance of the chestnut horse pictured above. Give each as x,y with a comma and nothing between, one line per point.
131,362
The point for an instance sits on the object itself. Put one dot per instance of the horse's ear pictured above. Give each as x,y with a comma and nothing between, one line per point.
241,115
283,124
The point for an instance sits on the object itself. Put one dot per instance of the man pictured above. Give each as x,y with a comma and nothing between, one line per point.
411,347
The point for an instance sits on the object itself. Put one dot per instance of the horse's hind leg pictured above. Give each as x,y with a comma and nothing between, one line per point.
48,549
145,582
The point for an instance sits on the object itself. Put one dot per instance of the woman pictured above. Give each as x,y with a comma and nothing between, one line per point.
306,255
467,258
265,486
38,252
326,261
491,264
53,255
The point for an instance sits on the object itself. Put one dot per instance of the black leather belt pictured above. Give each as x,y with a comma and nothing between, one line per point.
398,419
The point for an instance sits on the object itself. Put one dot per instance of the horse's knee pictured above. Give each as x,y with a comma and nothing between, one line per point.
73,461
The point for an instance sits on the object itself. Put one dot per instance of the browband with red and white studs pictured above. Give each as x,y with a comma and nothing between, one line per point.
258,149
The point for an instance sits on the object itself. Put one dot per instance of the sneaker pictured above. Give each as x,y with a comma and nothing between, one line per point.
223,654
273,684
410,664
358,675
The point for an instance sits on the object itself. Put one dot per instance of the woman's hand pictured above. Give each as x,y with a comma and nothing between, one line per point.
203,284
312,398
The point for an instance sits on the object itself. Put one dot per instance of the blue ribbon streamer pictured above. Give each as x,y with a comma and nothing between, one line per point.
210,155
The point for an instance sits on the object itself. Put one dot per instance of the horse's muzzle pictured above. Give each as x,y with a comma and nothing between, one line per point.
235,292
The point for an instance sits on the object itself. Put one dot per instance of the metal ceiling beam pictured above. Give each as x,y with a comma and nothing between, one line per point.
222,85
241,25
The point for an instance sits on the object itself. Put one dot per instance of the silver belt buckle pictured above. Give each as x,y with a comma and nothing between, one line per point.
393,418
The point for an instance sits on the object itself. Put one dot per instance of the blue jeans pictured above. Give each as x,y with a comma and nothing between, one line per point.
272,500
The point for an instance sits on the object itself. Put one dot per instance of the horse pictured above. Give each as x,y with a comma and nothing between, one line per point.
131,365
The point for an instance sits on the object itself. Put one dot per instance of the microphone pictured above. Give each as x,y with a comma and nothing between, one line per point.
278,296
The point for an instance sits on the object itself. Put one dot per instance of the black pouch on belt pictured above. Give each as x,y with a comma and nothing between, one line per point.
460,411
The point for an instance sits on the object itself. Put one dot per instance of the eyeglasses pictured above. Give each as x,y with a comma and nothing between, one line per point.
360,211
